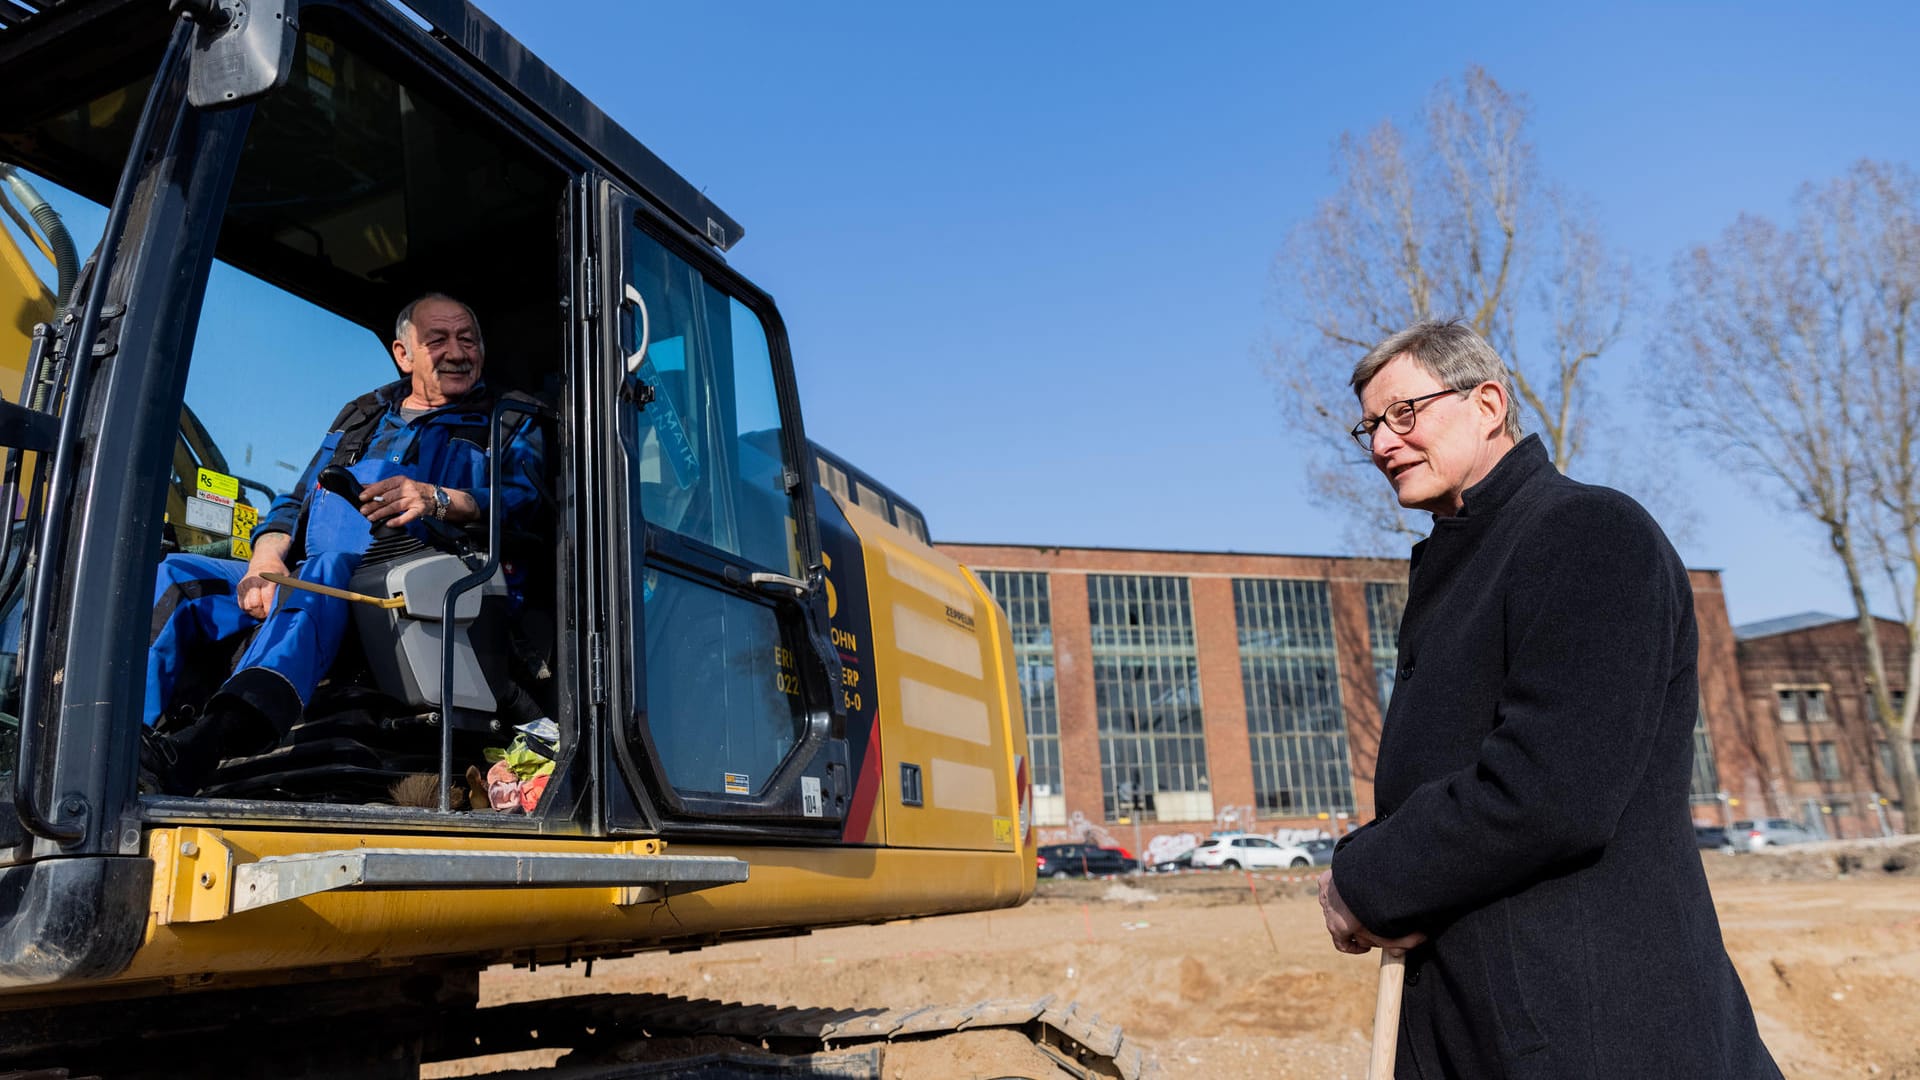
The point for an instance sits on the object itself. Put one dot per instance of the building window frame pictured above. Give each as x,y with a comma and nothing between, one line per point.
1706,770
1800,760
1147,703
1802,703
1386,602
1827,757
1290,679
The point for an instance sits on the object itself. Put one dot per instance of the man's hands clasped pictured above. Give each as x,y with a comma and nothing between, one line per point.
1347,933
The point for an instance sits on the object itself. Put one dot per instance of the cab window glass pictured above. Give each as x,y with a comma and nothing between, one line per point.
723,687
709,462
706,456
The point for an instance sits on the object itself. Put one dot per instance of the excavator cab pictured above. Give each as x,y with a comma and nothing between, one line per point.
757,705
357,183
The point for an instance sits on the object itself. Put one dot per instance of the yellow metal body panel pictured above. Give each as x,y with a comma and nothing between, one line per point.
943,663
786,887
24,301
994,624
942,680
199,878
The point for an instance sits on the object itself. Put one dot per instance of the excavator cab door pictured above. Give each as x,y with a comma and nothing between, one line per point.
732,710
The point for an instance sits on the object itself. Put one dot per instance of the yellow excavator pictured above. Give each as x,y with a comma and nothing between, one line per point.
765,704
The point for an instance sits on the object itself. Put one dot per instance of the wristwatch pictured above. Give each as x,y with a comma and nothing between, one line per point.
440,502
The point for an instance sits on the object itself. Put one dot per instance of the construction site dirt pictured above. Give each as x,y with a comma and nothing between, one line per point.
1230,975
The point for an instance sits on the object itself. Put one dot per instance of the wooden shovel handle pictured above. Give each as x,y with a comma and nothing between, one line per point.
328,590
1386,1014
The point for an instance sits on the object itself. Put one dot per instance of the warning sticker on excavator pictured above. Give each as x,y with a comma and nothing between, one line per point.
213,516
242,548
218,486
737,784
1002,830
244,520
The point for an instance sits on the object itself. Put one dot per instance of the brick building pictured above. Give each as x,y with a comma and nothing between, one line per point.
1819,754
1171,693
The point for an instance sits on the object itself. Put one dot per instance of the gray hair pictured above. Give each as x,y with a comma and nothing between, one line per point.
404,321
1451,352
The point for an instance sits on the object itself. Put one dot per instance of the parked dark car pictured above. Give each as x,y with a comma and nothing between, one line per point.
1321,850
1182,861
1709,836
1055,860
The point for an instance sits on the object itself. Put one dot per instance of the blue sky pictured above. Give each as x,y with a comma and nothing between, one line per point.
1025,251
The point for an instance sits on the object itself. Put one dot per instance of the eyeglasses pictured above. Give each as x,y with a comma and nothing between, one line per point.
1398,417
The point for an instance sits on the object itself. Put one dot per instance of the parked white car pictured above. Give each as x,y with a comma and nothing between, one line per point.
1768,832
1235,852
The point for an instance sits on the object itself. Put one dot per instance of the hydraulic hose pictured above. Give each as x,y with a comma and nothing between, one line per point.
66,262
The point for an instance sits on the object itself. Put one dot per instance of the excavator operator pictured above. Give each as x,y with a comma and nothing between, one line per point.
417,448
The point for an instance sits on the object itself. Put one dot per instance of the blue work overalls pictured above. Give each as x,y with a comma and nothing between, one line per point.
195,596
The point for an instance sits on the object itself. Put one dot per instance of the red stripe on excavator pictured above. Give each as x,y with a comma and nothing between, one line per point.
866,790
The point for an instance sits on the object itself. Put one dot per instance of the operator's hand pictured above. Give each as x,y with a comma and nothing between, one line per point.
1347,933
269,557
396,501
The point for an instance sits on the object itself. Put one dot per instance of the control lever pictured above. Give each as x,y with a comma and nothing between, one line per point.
450,538
339,480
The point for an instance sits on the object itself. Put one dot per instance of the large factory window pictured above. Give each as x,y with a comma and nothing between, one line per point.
1385,601
1146,677
1706,776
1028,603
1290,672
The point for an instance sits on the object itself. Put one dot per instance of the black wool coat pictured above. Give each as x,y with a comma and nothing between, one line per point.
1531,799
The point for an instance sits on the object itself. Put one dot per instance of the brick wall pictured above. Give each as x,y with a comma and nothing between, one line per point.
1229,764
1828,659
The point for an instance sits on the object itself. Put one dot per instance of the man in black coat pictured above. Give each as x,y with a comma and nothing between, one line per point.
1533,850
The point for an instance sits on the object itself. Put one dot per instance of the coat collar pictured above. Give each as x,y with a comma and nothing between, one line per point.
1519,466
1527,459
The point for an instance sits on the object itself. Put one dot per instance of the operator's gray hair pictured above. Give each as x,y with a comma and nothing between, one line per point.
1451,352
404,321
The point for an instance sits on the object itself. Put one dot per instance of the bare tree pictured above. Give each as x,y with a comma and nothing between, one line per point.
1456,222
1792,349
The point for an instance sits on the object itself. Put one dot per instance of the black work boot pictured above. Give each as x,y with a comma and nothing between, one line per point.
243,718
181,762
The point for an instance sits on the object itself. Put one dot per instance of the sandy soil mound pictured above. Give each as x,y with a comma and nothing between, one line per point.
1230,976
1897,856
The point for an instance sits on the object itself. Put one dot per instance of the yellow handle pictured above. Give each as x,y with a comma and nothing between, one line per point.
1386,1014
328,590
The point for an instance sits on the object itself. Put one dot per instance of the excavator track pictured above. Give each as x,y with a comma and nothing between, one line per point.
798,1042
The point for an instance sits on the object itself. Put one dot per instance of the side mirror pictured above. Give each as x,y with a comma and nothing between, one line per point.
241,48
